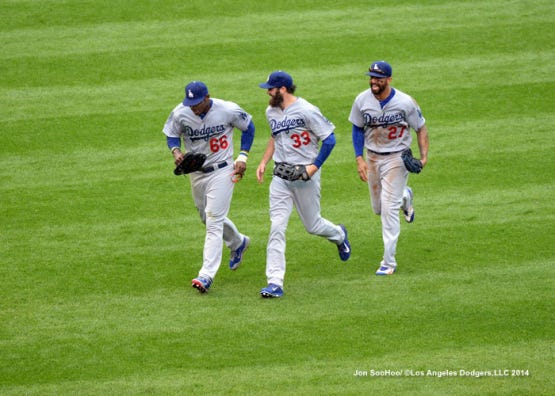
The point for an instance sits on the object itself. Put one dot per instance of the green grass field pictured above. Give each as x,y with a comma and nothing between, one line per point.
99,241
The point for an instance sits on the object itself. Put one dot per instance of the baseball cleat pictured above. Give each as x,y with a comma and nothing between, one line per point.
408,209
202,284
345,247
237,256
385,270
271,291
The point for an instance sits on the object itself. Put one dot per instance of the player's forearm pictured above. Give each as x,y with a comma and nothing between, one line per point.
247,137
268,153
173,143
358,140
422,136
325,150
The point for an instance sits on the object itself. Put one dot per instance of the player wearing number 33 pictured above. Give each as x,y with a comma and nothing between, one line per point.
382,118
297,128
206,126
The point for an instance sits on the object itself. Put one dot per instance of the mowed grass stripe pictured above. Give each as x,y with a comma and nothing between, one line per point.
145,94
97,36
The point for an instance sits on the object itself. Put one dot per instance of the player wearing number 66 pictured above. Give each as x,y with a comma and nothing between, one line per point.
382,119
297,128
205,125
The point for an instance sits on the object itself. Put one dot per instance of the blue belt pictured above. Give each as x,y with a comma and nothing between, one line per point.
212,168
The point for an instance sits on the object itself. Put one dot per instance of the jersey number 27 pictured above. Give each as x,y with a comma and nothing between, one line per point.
395,132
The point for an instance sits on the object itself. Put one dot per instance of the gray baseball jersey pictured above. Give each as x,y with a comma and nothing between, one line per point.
297,131
211,135
387,124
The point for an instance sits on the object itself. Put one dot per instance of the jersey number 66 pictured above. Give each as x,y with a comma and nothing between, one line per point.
217,144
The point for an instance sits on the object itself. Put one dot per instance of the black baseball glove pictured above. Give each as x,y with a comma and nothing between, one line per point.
191,162
412,164
291,172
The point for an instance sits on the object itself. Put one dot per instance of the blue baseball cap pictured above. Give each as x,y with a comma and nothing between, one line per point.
278,79
380,69
195,92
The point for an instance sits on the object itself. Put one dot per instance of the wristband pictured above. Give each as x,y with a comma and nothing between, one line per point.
242,157
174,148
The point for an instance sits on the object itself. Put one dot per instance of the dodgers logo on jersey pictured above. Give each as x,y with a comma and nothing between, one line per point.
204,133
383,120
286,124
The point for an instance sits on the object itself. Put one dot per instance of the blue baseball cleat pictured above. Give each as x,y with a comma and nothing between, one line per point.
271,291
386,270
202,284
236,256
345,248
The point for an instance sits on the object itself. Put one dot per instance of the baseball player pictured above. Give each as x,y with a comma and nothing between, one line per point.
205,125
382,118
297,128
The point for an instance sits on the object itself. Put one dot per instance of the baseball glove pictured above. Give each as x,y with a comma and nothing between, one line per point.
191,162
291,172
412,164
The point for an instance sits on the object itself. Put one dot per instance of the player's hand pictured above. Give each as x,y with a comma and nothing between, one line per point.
240,167
362,168
239,171
311,170
177,156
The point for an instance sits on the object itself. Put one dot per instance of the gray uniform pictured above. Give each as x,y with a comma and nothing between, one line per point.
386,133
212,191
297,131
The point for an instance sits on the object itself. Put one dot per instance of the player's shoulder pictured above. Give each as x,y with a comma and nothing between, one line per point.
226,105
400,95
180,110
404,97
305,105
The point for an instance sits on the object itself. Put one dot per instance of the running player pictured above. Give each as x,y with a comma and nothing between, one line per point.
382,117
206,125
297,127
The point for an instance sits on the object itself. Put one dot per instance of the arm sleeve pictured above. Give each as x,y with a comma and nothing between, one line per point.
173,142
247,137
358,140
325,150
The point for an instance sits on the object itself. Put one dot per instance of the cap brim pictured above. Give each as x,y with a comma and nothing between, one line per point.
266,86
378,75
192,102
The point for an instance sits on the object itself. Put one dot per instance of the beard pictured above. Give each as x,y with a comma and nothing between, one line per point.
276,100
377,89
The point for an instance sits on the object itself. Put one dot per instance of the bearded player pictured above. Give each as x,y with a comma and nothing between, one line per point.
205,125
297,128
382,119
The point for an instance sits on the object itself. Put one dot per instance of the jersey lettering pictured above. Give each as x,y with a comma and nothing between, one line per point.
286,124
203,133
383,119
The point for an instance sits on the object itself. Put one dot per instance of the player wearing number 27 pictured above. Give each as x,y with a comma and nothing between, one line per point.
382,118
206,126
297,128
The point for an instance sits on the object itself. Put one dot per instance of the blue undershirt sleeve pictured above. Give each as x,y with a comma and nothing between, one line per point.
247,137
358,140
325,150
173,142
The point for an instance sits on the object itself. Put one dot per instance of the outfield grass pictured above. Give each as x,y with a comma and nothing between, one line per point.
99,241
